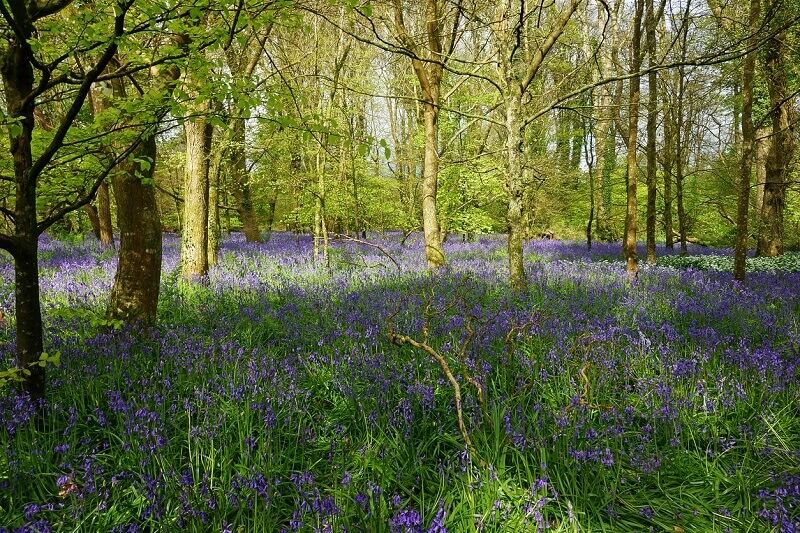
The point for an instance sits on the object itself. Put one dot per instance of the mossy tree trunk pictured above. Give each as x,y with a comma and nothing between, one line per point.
134,296
194,239
770,240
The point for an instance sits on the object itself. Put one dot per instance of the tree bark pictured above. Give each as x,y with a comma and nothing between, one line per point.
94,219
605,130
241,182
17,74
105,230
748,134
652,117
134,296
242,61
104,216
770,242
563,140
762,146
434,252
514,184
28,313
429,75
590,159
516,83
633,126
214,229
679,179
578,134
194,239
669,151
321,243
681,154
272,200
20,97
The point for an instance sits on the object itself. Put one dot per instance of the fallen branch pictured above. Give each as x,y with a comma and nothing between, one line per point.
407,235
367,243
462,358
400,340
590,341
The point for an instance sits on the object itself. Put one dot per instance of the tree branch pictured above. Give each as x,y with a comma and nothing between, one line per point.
699,61
49,8
538,58
9,244
57,215
66,123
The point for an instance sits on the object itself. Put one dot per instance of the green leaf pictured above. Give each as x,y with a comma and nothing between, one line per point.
14,129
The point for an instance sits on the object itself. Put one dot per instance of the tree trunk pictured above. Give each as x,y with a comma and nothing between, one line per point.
604,130
578,139
241,183
633,125
514,185
271,202
101,103
668,159
762,148
227,211
194,239
28,311
214,229
748,134
679,178
680,144
134,297
434,252
652,117
599,132
679,161
17,76
358,223
104,216
781,150
94,219
590,160
736,109
320,222
429,75
563,140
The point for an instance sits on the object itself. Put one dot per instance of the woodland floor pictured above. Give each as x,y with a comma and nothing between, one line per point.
270,398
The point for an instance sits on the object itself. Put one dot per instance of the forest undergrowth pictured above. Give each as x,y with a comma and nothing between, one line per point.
280,395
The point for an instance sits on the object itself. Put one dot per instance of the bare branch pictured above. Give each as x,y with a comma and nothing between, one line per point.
367,243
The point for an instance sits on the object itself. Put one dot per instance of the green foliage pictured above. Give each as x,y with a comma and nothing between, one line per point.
95,319
788,262
18,375
471,200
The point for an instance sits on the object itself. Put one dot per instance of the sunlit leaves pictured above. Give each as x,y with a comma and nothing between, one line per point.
18,375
